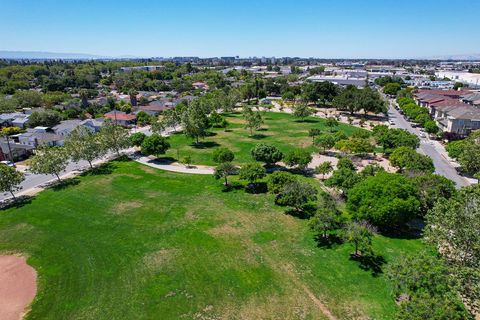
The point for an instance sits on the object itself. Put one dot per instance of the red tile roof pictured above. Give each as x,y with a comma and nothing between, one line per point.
120,116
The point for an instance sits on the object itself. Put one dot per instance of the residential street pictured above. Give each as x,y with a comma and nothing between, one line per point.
432,148
37,180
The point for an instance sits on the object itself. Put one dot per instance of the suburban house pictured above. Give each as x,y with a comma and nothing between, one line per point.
15,119
17,150
450,112
472,98
37,136
93,125
155,107
65,127
122,118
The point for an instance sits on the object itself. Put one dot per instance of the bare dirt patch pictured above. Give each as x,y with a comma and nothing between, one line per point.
160,258
123,207
18,287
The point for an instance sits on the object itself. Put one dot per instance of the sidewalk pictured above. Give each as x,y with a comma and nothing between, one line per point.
174,167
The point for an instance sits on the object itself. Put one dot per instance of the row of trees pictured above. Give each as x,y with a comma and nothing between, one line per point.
418,114
467,152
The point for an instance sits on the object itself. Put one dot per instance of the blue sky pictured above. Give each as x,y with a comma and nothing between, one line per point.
307,28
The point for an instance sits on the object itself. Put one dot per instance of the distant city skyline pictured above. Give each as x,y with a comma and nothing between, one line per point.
211,28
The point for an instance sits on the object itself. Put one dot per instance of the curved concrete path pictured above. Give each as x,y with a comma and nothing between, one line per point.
155,163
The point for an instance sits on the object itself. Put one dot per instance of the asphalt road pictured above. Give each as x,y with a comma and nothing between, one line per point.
432,148
38,180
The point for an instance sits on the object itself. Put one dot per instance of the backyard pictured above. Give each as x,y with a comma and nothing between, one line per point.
134,242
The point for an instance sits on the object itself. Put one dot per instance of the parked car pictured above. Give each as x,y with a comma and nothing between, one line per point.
391,122
8,163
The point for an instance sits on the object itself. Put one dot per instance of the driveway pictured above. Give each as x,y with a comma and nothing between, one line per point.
434,149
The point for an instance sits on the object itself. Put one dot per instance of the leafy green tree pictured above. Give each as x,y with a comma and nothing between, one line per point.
325,141
314,132
299,158
360,234
224,170
155,145
431,188
369,100
407,159
144,118
393,138
425,289
302,111
331,123
431,127
49,160
455,148
469,159
392,88
324,168
137,138
345,177
354,145
266,153
10,179
319,92
114,137
187,161
452,227
222,154
324,221
47,118
278,180
422,119
347,99
253,119
83,144
296,194
252,172
28,99
195,121
385,200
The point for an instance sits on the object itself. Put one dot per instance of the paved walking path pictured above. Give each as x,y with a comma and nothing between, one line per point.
174,167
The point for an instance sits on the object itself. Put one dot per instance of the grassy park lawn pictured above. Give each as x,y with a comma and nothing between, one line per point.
280,129
139,243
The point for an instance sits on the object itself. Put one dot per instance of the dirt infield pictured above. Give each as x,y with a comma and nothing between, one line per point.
18,286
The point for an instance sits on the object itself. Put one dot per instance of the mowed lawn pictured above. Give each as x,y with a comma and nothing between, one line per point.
140,243
280,129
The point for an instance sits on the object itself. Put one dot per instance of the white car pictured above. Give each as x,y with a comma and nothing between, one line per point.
391,122
8,163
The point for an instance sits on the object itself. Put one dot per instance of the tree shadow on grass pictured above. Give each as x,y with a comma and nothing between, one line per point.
370,262
329,242
255,188
232,186
259,136
211,134
307,121
205,145
64,184
164,160
15,203
106,168
306,213
402,232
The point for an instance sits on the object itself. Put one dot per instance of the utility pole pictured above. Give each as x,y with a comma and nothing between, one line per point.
10,150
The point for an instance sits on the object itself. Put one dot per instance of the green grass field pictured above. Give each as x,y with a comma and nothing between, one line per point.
140,243
280,129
